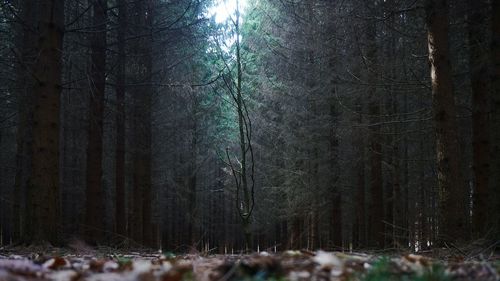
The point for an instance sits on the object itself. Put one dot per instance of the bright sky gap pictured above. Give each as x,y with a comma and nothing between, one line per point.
224,9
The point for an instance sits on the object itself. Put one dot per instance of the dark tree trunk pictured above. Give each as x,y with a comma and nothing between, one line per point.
478,65
376,181
452,188
94,217
360,226
295,233
192,183
142,224
334,174
120,215
495,116
24,49
146,155
43,210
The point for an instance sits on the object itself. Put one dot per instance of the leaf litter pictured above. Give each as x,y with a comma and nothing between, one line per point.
289,265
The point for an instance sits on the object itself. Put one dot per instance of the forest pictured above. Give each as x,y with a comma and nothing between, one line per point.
222,128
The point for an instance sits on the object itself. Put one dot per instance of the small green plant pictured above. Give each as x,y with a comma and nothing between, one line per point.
383,269
386,270
123,262
169,255
435,273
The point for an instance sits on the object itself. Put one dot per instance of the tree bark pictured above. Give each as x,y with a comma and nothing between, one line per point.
495,116
120,215
244,142
478,65
334,178
452,188
360,226
25,50
376,181
94,222
146,154
141,224
192,183
43,210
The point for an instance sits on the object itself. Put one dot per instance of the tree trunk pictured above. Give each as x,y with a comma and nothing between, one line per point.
360,226
335,172
25,44
478,65
120,215
147,211
452,188
141,224
295,233
192,183
94,217
244,142
495,116
376,181
43,210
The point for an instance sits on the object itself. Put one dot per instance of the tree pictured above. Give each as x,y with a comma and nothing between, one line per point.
94,223
376,180
24,50
495,115
452,191
120,216
478,65
245,173
42,223
141,123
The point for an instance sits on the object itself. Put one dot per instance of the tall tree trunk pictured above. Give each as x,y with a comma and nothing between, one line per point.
244,142
495,115
43,210
138,172
295,232
334,177
478,65
376,181
141,225
120,216
360,226
5,231
136,196
94,222
452,188
192,183
25,43
146,157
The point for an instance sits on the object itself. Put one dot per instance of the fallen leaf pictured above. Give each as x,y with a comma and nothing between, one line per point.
56,263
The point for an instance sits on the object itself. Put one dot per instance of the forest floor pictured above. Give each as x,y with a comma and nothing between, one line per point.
21,264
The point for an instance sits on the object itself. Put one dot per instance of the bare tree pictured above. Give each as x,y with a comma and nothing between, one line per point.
245,172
